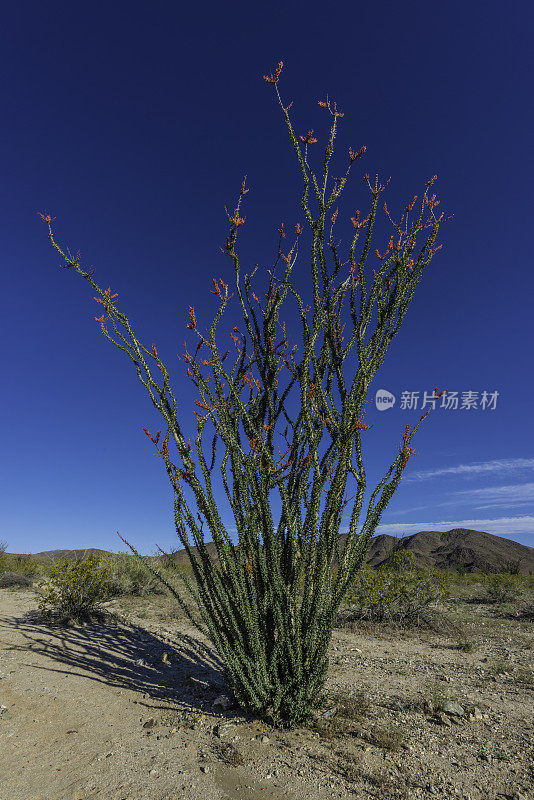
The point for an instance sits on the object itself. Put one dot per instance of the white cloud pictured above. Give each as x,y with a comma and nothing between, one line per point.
405,510
503,504
515,491
502,526
498,465
514,494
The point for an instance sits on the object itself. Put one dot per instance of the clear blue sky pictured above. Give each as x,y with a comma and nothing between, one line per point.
134,126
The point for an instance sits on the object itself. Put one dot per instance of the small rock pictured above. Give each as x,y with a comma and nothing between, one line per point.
326,714
444,720
223,701
265,739
150,723
224,729
165,658
451,707
477,714
205,769
152,772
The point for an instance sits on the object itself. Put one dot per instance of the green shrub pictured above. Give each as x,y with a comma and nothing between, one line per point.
23,564
502,588
397,591
74,589
3,557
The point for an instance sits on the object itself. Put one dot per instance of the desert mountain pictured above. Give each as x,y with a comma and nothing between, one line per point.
474,551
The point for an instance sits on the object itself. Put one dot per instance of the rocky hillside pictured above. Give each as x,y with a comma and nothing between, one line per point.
474,551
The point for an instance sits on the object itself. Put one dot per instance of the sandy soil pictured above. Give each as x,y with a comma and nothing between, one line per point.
123,709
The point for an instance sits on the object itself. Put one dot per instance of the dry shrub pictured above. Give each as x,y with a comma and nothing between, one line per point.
398,591
14,580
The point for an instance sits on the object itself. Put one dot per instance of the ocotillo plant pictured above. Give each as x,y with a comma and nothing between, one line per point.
273,641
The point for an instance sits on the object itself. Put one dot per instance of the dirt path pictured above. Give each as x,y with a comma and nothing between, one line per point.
125,711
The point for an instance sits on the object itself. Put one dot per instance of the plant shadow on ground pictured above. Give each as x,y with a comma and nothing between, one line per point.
127,656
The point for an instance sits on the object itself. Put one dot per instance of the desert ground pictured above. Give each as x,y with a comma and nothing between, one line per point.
130,705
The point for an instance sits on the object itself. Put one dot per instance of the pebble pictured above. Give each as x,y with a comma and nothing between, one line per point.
223,701
476,714
223,729
451,707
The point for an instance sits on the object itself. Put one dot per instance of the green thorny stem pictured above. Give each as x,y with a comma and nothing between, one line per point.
275,650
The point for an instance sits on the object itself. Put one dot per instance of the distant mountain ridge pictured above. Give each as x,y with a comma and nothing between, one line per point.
475,551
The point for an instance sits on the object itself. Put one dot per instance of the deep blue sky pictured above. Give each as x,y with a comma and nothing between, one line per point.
134,126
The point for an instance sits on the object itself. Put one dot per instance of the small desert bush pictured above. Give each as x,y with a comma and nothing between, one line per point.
130,577
23,564
501,588
20,564
466,645
526,611
386,738
14,580
463,580
513,567
435,697
74,589
398,591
